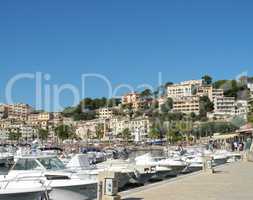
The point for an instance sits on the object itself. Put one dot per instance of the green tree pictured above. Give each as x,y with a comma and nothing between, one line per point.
64,132
43,134
146,93
15,136
207,79
154,132
126,135
100,131
205,106
173,136
167,106
185,127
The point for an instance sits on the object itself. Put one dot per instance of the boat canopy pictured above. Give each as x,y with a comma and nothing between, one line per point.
80,161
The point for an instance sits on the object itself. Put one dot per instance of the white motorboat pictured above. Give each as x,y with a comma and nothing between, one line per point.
5,156
18,189
129,172
147,160
65,185
84,168
175,163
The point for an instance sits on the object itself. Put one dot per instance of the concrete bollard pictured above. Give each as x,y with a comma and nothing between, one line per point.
108,186
208,164
245,156
250,156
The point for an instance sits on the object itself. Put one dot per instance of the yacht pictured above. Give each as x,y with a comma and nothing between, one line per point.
6,157
65,184
148,161
19,189
175,163
129,172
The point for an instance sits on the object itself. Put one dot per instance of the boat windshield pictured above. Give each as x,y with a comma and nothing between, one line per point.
52,163
26,164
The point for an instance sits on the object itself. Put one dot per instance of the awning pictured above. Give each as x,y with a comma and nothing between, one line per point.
224,137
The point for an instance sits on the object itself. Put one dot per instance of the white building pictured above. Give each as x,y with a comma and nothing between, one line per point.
241,108
179,90
87,129
183,89
224,107
118,124
250,86
140,128
4,134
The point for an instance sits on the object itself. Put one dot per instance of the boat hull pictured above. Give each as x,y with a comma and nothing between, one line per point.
81,192
22,196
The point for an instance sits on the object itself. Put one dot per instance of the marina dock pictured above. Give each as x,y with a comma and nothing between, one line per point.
229,182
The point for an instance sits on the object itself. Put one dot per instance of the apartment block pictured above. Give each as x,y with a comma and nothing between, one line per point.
105,113
224,107
188,104
180,90
135,100
18,111
45,116
241,108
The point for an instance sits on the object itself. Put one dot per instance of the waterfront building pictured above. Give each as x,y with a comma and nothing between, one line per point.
140,128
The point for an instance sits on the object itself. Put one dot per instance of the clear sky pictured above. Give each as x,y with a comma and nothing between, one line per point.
128,41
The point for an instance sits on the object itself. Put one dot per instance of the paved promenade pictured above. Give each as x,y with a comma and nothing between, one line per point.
230,182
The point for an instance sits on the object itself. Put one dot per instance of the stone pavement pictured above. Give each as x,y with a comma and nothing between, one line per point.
230,182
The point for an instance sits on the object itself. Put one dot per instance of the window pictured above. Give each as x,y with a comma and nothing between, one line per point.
26,164
51,163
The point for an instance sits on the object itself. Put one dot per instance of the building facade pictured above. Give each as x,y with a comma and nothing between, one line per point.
224,107
188,104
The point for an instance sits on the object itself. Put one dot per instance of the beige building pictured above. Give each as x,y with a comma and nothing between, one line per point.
135,100
105,113
180,90
189,104
18,111
87,129
208,90
45,116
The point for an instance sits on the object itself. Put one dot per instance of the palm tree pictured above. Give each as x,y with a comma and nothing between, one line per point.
126,135
154,133
63,132
100,131
43,134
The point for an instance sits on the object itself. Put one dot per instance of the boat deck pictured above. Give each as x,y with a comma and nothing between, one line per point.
230,182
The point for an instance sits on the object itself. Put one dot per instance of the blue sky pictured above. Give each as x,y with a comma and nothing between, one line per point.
128,41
